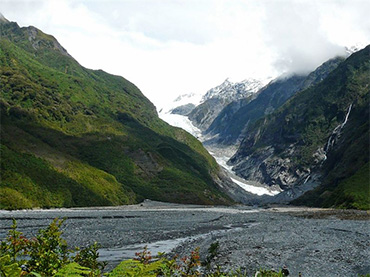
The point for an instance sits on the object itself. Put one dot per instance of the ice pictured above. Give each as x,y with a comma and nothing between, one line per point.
220,155
254,189
181,122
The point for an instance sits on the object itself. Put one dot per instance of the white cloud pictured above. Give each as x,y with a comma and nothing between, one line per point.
171,47
296,36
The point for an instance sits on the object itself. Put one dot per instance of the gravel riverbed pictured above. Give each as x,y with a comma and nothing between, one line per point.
315,242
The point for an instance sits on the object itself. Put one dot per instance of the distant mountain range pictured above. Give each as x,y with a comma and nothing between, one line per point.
216,99
71,136
233,121
301,132
203,109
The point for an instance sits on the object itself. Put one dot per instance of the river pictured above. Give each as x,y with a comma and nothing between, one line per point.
315,242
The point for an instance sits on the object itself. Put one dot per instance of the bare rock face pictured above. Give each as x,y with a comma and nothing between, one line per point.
204,114
265,167
146,163
184,109
38,39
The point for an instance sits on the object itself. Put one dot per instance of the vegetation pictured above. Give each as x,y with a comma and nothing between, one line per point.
48,254
71,136
351,193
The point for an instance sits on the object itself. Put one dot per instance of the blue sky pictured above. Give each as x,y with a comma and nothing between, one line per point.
172,47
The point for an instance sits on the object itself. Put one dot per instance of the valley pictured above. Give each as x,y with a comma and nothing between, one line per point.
271,171
300,136
221,154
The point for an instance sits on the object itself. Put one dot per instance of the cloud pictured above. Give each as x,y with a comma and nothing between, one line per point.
171,47
293,30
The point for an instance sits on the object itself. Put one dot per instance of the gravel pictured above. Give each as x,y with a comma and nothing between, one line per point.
315,242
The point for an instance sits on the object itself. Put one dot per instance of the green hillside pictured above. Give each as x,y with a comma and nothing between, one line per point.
71,136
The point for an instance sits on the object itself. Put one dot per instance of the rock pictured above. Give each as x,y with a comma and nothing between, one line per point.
285,271
183,109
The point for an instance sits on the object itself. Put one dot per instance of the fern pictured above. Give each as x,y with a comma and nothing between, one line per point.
7,268
74,270
133,268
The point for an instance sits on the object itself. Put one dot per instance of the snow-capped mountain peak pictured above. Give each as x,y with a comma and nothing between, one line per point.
188,98
235,91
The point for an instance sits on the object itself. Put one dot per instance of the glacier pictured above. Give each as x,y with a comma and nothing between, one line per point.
221,155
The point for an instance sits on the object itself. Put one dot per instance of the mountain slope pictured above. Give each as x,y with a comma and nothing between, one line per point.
319,136
232,123
71,136
216,99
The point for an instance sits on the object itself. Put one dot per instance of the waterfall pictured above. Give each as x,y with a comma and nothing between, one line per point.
336,132
308,177
347,115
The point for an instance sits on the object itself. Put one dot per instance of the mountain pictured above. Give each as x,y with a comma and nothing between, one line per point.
230,91
71,136
216,99
232,123
318,138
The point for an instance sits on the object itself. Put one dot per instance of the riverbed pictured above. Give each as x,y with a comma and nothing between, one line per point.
315,242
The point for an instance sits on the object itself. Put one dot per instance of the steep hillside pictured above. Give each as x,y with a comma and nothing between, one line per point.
71,136
319,136
233,122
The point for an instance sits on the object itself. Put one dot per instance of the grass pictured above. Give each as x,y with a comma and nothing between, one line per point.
354,191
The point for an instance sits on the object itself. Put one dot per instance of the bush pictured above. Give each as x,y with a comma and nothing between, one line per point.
47,254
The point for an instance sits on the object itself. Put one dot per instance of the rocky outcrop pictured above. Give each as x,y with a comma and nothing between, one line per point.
203,115
183,110
38,40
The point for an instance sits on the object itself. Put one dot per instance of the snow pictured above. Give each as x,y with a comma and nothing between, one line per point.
222,161
255,189
181,122
220,155
235,91
227,90
190,98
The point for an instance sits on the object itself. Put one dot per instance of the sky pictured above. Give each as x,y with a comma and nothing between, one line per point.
173,47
